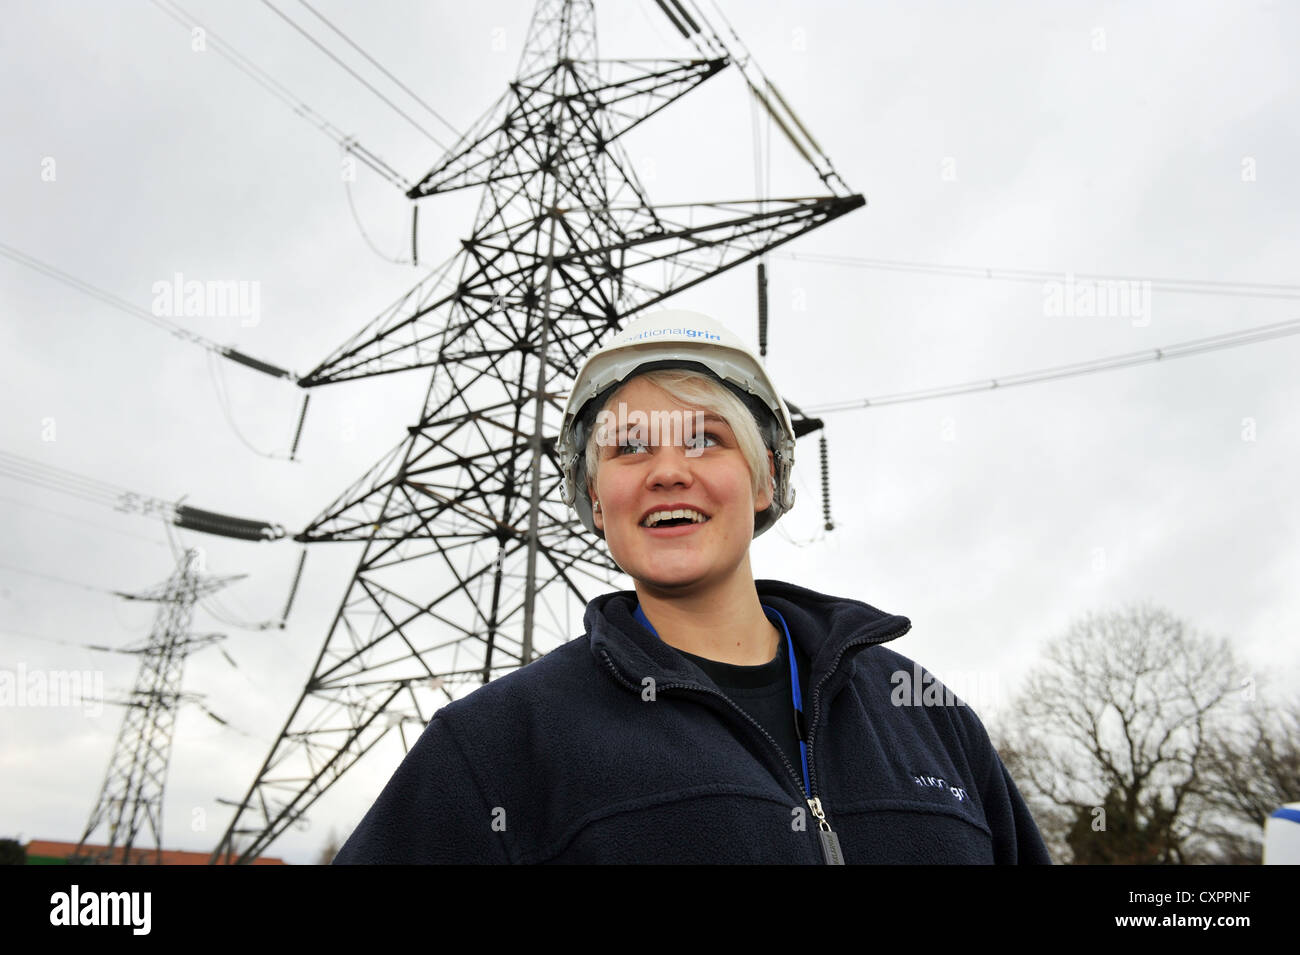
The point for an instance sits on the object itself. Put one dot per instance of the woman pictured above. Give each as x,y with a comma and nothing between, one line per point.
704,716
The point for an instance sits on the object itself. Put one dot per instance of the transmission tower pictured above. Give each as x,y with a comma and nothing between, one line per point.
132,795
472,565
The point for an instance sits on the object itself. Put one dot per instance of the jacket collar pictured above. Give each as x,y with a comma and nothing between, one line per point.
824,627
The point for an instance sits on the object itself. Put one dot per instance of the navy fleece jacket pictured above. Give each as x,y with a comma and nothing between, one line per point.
616,748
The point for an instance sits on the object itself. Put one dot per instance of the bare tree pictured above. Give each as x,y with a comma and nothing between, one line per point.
1112,737
1250,771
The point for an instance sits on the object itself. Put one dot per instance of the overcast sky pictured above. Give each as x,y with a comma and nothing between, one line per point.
1154,140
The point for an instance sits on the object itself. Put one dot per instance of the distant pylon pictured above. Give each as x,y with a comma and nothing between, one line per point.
132,796
472,565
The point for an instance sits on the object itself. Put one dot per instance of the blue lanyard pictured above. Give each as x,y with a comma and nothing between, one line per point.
795,692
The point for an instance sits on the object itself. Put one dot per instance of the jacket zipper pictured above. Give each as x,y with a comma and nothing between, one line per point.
817,691
830,843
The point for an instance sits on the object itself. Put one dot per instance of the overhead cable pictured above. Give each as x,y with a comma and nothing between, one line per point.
1190,286
353,73
108,298
379,66
1197,346
54,478
277,89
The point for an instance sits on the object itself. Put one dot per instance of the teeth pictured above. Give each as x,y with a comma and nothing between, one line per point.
654,517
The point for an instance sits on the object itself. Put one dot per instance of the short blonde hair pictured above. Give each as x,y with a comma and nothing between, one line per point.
696,390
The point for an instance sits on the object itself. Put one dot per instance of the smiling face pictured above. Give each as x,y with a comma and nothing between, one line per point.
678,516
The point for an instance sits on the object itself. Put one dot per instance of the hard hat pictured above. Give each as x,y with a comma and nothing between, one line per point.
674,339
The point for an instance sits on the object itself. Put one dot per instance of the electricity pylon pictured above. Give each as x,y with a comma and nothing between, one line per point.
132,795
471,564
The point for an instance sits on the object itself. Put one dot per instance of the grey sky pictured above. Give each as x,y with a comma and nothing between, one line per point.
1071,137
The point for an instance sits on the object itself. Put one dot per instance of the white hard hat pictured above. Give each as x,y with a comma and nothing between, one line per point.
675,339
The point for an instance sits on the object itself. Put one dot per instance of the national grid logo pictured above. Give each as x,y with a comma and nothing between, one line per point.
685,332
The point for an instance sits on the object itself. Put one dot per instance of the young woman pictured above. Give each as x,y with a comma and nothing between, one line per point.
704,716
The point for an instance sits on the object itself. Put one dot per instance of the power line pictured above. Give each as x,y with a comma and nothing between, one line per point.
379,66
226,616
1180,350
73,517
120,499
349,144
689,28
54,478
652,20
223,401
347,189
108,298
66,643
213,348
697,29
353,73
226,724
1190,286
277,89
765,91
59,580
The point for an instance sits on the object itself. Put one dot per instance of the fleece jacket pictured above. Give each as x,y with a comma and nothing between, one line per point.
614,748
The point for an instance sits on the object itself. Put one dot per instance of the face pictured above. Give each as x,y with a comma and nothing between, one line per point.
639,482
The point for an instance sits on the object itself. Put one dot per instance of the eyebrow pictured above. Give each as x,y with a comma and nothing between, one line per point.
620,434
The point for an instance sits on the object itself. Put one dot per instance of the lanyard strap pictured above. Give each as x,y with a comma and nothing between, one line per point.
795,693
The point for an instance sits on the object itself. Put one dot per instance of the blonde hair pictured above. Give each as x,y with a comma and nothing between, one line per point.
696,390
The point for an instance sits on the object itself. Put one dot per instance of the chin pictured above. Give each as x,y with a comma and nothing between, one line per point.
683,581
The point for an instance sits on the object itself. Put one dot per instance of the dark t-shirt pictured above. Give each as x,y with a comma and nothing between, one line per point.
764,691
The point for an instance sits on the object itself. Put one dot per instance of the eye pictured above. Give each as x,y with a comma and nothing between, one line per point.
631,446
701,441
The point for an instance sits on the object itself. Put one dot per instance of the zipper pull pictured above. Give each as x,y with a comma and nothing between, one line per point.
830,841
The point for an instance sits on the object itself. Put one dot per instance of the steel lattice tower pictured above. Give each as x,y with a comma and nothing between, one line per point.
471,560
132,795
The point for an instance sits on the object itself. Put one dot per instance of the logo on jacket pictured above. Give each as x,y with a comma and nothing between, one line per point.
938,782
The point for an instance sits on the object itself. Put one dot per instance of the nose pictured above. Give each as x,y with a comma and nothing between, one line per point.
669,467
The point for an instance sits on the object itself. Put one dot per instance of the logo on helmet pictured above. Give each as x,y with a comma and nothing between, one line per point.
699,333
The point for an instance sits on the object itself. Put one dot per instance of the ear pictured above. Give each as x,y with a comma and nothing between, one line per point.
768,493
597,516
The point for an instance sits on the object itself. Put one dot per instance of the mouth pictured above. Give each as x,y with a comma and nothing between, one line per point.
673,517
